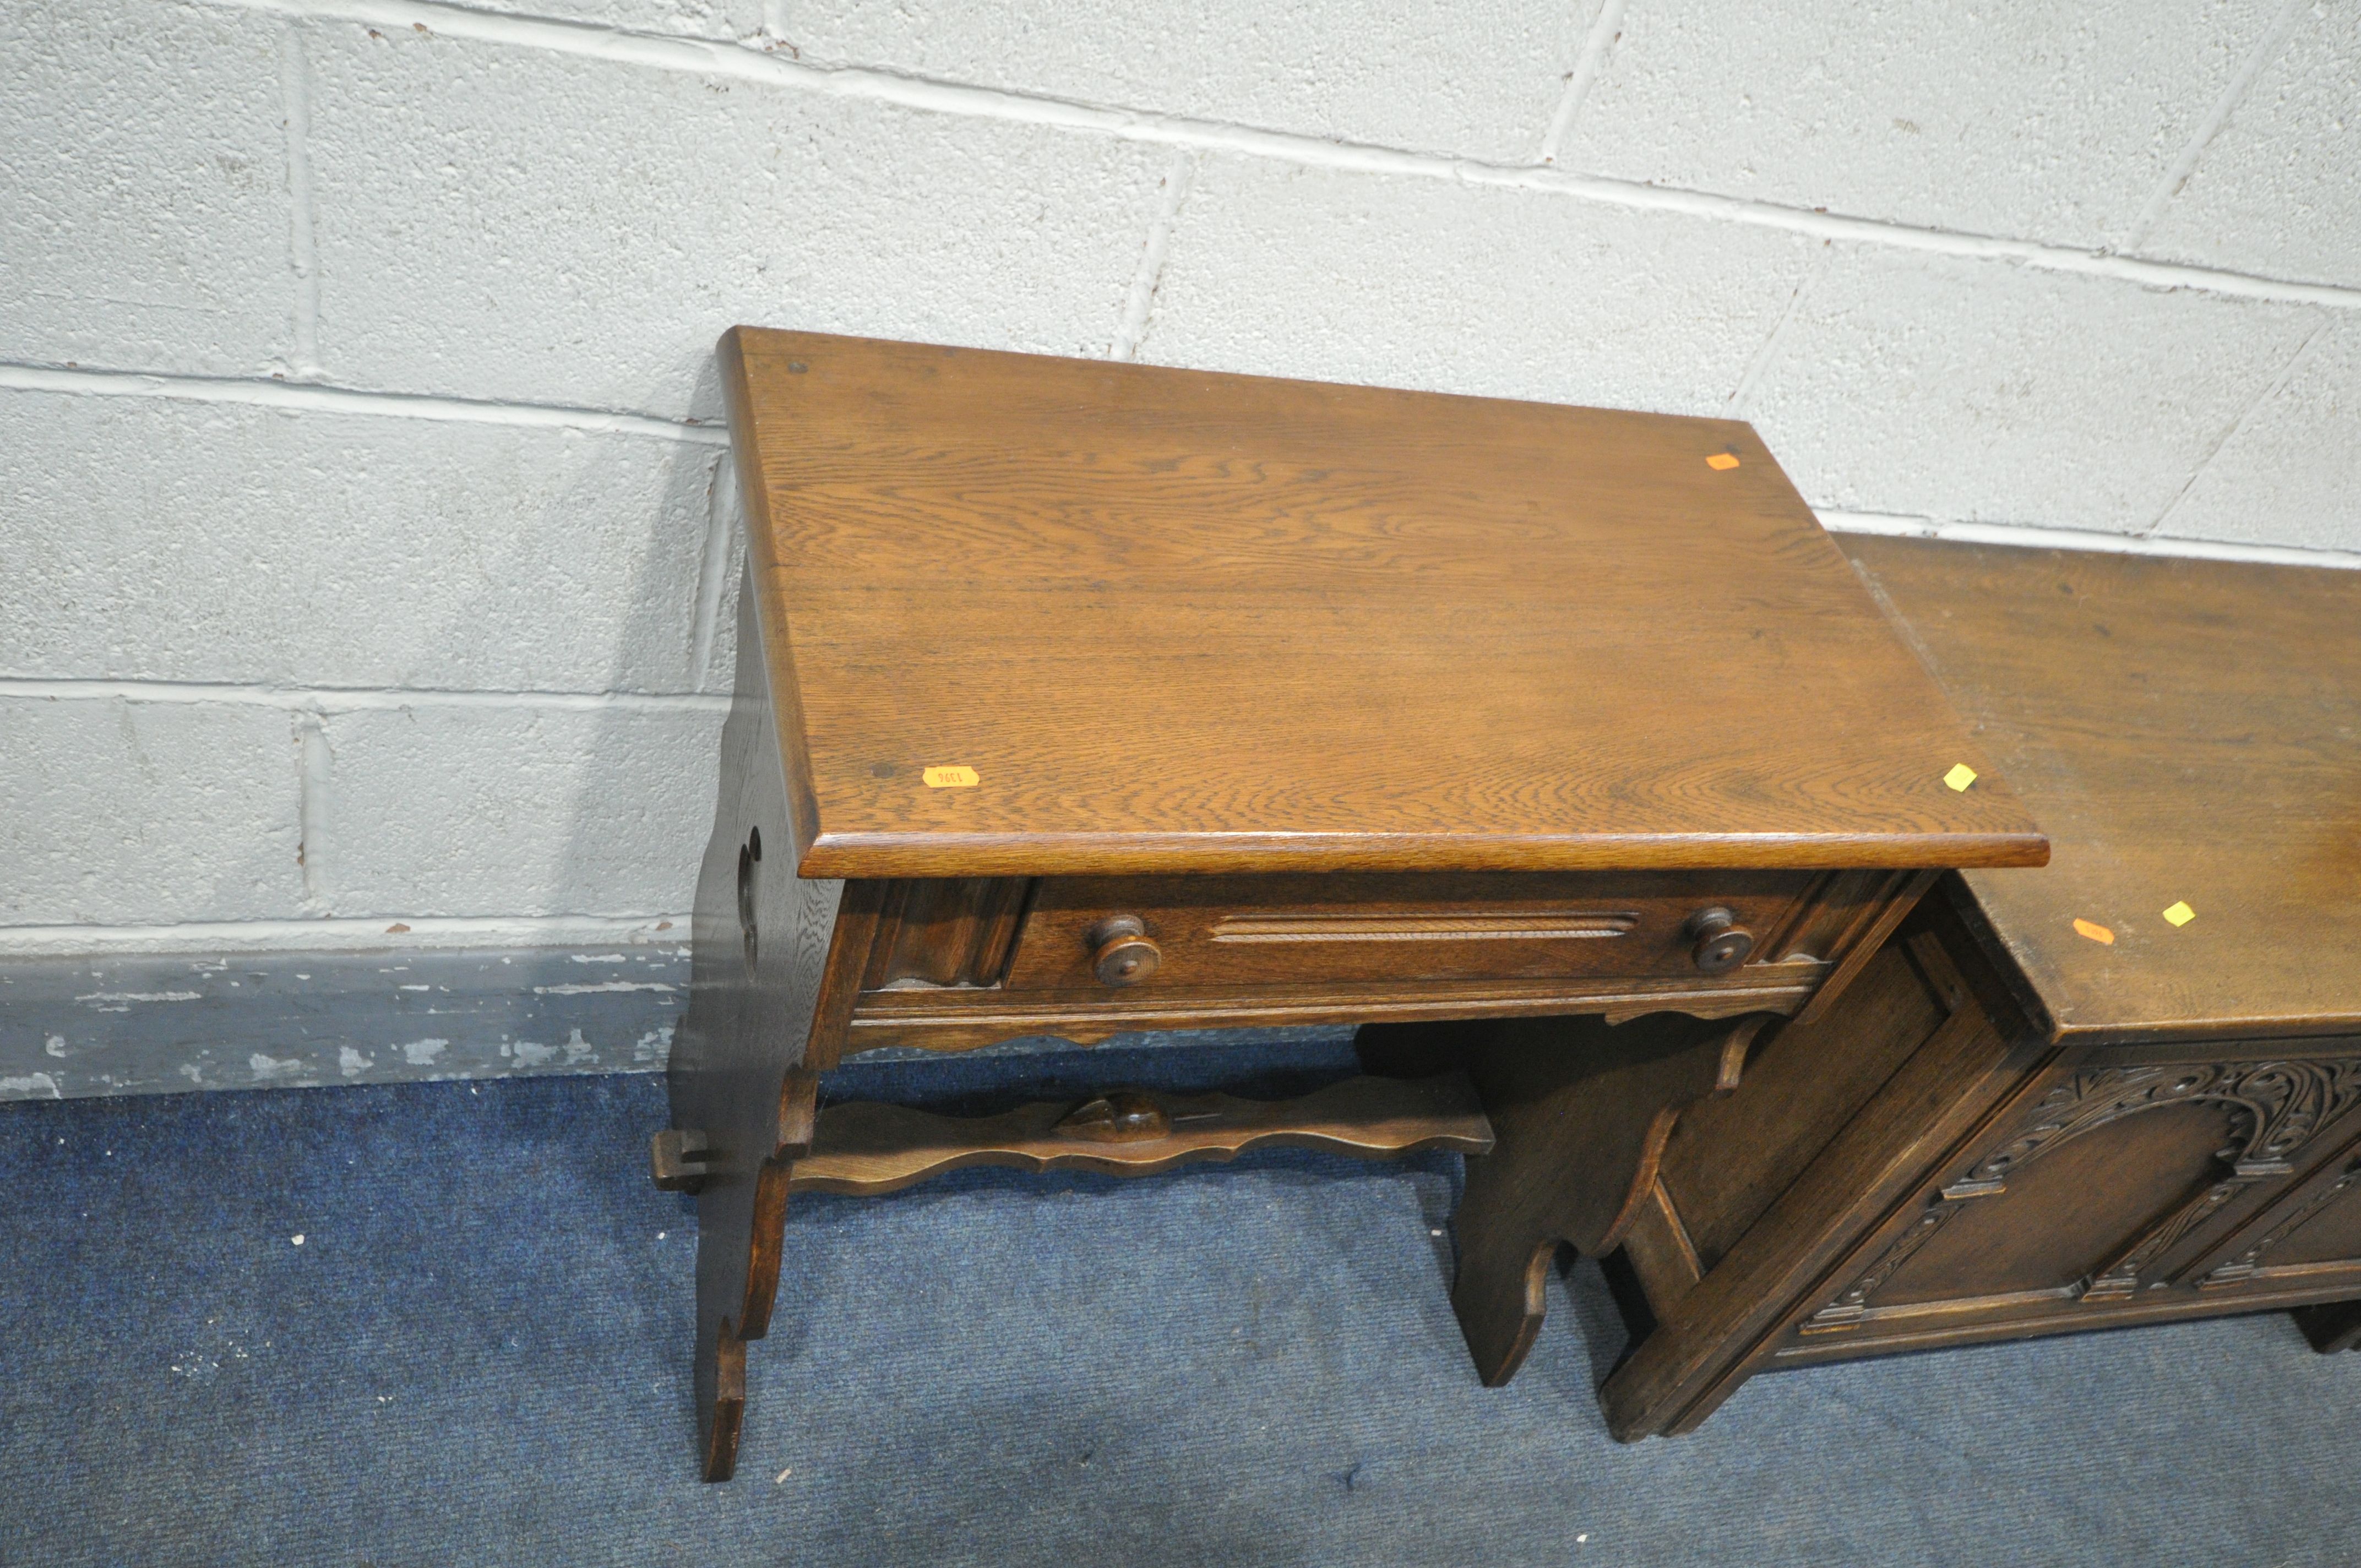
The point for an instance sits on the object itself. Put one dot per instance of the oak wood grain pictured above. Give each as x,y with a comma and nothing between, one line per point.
1303,931
2188,731
958,1020
742,1079
1177,622
1273,949
2153,1127
1710,1337
1730,1158
865,1149
1922,1167
1581,1112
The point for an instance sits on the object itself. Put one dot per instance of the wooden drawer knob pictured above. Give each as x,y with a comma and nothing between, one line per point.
1121,951
1722,943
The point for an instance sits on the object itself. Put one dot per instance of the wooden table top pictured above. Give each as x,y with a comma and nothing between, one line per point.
1169,620
2190,733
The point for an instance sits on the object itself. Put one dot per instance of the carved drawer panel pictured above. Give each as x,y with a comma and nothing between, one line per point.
952,963
1283,930
2118,1185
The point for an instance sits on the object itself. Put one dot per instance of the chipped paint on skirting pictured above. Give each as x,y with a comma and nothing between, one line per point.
121,1000
77,1025
305,1020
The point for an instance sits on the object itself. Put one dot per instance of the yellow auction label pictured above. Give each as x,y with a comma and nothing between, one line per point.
1961,776
2180,913
951,778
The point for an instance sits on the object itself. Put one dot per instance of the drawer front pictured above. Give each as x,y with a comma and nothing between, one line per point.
1138,934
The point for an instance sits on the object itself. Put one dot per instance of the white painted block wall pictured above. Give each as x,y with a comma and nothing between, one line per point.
368,554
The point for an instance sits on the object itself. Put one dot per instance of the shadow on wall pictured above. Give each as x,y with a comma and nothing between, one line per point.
550,800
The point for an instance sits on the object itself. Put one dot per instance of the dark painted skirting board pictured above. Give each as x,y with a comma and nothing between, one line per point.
158,1023
166,1024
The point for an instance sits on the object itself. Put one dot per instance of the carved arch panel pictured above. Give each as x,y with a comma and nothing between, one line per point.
2135,1165
2314,1234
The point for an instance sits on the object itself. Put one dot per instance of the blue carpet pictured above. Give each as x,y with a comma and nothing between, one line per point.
478,1354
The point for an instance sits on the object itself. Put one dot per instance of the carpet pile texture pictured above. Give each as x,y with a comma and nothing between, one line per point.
450,1323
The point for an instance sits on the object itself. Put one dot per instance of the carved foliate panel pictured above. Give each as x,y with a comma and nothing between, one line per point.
2275,1108
2256,1257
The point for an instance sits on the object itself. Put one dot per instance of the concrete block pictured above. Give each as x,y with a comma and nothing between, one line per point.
1980,392
165,540
505,222
2278,190
2052,123
695,19
1278,269
1479,80
474,810
146,813
146,224
2291,473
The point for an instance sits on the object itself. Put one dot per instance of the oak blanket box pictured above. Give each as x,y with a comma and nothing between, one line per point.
2123,1089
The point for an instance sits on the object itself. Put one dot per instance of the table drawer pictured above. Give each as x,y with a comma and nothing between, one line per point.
954,964
1127,934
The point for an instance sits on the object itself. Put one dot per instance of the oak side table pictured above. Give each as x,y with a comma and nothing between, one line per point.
1077,697
2120,1091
